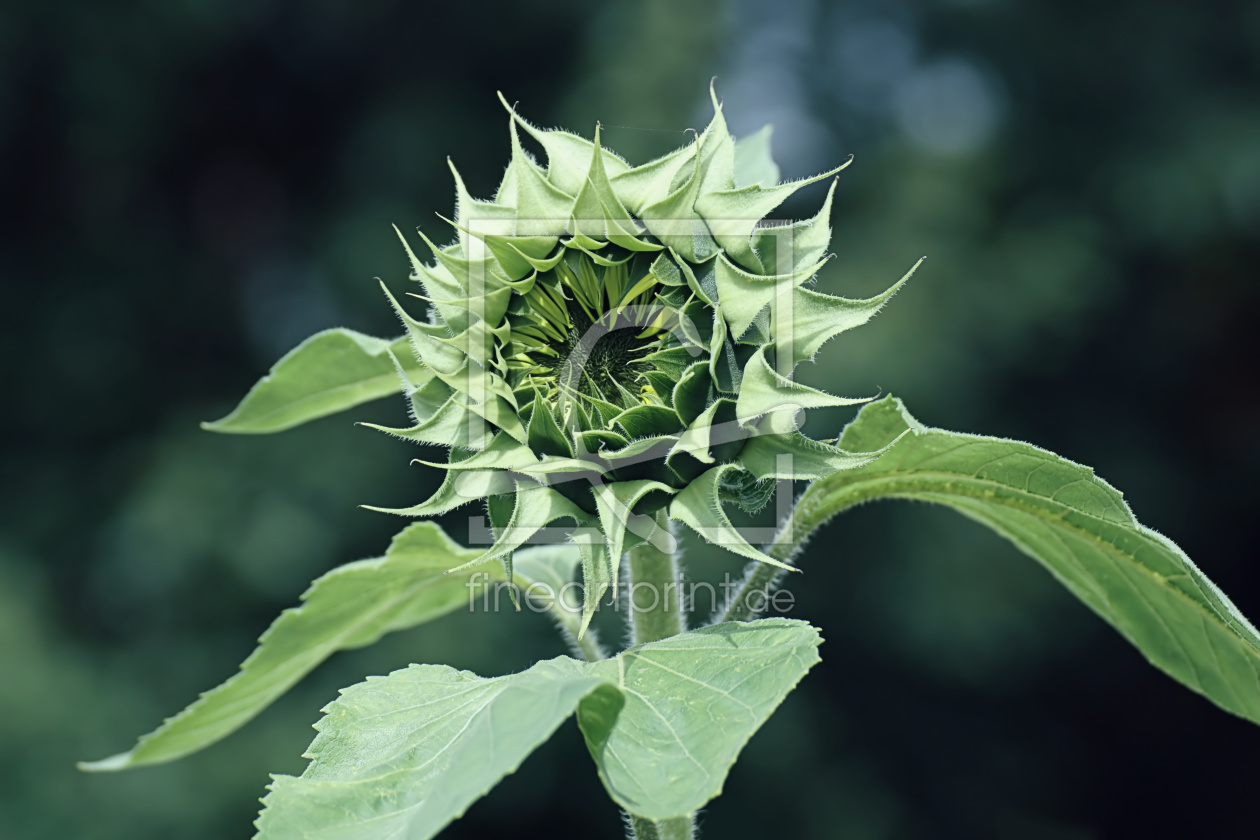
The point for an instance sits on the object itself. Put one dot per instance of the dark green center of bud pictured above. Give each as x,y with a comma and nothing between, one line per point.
590,329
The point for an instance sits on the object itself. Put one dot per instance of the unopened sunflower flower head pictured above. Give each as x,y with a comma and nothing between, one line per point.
607,343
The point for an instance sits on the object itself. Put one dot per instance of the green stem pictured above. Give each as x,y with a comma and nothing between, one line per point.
655,600
681,828
750,599
655,604
816,506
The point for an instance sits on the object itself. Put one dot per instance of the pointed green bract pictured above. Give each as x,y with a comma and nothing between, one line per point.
450,425
540,205
599,573
804,244
459,487
647,183
536,508
503,453
744,294
700,507
818,318
733,214
616,504
712,428
797,457
599,213
568,155
765,390
754,162
672,218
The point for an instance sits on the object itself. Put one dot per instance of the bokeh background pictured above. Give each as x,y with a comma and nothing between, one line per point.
189,188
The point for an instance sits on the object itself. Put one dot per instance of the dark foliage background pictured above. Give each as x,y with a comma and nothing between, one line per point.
190,188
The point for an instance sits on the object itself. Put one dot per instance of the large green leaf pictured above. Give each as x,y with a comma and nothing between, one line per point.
691,702
329,372
403,755
1073,523
351,606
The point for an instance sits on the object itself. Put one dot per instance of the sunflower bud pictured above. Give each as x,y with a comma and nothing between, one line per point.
607,341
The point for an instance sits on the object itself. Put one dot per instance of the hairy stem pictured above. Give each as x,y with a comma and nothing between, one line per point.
655,600
656,613
681,828
750,599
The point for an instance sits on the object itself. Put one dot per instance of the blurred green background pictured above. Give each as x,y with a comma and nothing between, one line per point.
192,187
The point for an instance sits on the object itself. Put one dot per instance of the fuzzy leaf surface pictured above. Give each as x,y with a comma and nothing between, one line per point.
754,163
691,702
404,755
1073,523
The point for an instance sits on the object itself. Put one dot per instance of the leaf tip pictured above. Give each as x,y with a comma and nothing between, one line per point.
105,765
